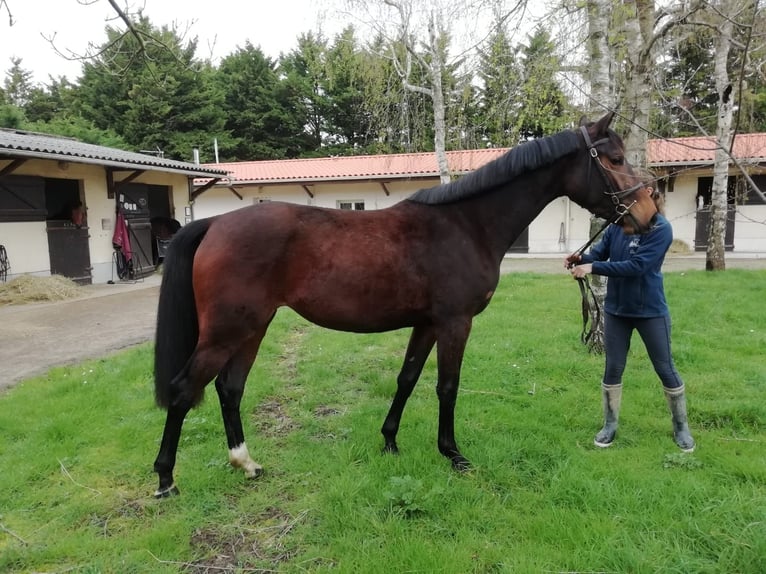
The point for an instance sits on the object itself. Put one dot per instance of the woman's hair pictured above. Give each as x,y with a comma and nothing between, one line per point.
650,180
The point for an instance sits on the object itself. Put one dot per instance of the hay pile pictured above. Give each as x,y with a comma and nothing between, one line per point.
679,247
31,289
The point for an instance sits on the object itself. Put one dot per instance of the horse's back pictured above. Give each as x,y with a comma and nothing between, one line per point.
359,271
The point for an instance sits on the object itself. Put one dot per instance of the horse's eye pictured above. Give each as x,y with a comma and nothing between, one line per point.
618,160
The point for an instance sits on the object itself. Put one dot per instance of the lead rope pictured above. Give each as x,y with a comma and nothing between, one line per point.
588,297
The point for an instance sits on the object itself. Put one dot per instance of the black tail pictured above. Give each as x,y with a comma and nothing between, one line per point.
177,328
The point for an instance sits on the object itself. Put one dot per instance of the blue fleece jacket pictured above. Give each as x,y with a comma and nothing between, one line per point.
633,264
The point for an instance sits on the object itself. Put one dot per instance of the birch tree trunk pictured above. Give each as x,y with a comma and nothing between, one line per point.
602,98
436,66
639,38
715,260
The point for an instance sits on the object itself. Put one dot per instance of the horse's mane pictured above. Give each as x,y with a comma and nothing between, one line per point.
521,159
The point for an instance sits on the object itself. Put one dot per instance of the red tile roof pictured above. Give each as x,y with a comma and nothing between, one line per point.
676,151
365,167
701,150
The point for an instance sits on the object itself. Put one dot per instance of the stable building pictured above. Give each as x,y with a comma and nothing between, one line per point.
375,182
61,200
684,167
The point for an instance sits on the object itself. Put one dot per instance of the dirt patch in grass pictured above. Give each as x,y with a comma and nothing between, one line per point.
271,419
326,411
31,289
252,546
288,360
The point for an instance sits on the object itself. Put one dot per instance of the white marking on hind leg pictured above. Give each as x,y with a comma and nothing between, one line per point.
239,457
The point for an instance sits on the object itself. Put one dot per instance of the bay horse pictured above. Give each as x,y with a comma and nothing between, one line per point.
431,262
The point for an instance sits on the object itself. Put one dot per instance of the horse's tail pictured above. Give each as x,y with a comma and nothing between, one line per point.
177,327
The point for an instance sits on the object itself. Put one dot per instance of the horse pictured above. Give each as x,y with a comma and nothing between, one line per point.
430,263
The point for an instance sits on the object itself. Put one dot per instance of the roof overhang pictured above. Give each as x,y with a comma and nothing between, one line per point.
112,164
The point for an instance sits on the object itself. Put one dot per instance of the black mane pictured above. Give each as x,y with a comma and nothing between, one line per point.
521,159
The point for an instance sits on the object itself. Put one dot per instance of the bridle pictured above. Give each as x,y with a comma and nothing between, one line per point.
620,209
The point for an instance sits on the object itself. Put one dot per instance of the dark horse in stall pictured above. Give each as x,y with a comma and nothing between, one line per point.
430,262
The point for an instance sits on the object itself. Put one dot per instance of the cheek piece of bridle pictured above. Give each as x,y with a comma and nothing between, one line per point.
589,300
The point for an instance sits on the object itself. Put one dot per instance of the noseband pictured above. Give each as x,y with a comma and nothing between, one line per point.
621,210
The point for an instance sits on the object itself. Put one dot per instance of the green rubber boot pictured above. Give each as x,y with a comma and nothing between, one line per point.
612,397
677,402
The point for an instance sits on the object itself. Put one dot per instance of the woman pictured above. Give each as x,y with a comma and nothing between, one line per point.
635,299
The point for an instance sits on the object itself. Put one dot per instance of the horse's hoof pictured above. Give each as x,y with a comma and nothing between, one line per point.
461,464
256,473
171,490
390,449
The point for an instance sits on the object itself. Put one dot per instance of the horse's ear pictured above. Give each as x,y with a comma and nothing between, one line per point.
583,120
603,124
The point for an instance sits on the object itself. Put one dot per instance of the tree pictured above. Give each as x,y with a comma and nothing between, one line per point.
348,121
17,85
500,76
418,37
303,72
599,74
543,108
259,111
45,103
687,85
165,101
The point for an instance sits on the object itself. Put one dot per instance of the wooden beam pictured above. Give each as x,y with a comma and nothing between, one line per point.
234,191
130,177
110,184
385,189
200,190
307,190
13,166
113,186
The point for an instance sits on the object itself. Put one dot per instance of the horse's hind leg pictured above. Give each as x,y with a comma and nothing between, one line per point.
186,391
166,459
230,385
420,345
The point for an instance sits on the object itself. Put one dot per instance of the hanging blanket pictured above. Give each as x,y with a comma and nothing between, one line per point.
120,239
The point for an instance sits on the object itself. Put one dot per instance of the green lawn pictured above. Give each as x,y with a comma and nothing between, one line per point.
78,445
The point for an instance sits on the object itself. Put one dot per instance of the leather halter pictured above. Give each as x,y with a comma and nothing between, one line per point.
621,210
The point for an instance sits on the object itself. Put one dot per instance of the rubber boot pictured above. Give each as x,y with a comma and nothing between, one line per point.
677,402
612,397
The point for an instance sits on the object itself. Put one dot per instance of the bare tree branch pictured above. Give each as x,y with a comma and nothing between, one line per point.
4,5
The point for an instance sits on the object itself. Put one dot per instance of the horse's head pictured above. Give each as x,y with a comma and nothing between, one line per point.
610,188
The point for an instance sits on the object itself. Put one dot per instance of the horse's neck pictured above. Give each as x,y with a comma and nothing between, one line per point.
504,213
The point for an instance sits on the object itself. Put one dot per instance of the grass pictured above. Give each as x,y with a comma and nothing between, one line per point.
78,446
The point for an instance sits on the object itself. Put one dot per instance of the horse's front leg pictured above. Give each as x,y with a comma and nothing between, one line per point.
230,385
421,342
450,349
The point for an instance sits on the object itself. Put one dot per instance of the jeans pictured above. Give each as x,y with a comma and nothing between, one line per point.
655,333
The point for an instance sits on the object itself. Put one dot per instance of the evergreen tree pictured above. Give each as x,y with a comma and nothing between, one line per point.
349,118
17,85
499,96
689,94
304,73
261,112
543,106
156,94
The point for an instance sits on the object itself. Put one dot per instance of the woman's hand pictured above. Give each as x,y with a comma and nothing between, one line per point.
572,260
580,271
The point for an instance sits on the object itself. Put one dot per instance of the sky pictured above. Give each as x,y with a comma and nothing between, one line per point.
220,25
